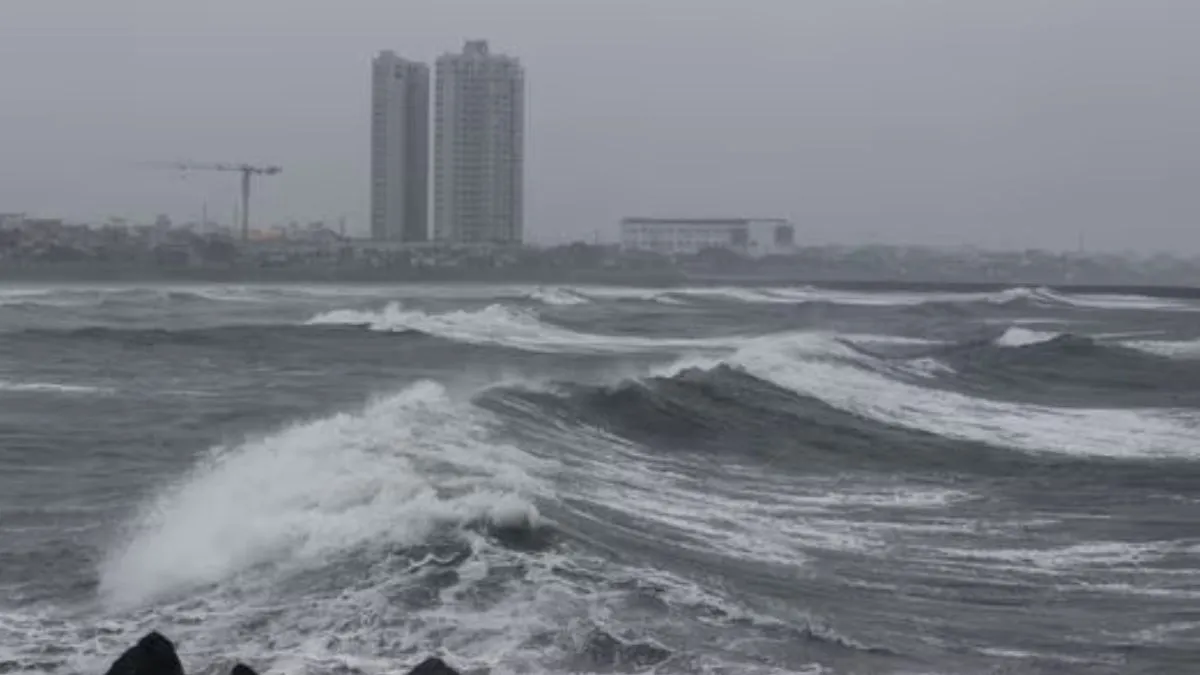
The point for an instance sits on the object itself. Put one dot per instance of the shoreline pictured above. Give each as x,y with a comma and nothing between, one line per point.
68,275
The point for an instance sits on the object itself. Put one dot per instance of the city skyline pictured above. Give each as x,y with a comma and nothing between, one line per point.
999,124
477,146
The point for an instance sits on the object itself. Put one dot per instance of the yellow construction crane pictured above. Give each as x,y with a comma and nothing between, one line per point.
246,170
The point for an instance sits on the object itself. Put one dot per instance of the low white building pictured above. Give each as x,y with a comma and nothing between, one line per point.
753,237
11,221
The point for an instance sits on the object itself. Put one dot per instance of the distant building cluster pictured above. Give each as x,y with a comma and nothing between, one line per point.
447,169
51,240
478,146
653,250
26,239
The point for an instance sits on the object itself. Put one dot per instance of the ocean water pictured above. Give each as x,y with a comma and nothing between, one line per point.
345,479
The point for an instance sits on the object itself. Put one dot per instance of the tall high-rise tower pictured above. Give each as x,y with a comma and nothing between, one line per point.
479,147
399,149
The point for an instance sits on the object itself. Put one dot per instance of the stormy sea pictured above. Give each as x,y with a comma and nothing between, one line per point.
525,479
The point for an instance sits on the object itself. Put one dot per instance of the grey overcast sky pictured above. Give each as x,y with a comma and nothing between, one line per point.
1001,123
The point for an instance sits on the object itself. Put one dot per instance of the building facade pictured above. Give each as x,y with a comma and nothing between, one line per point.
11,221
399,149
688,236
479,147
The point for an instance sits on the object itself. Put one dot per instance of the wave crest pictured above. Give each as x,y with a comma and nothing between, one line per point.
1015,336
52,388
558,297
1035,428
393,474
504,326
826,369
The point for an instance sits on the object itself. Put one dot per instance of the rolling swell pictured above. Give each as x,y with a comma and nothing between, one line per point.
731,414
709,484
229,335
1062,369
835,405
1075,369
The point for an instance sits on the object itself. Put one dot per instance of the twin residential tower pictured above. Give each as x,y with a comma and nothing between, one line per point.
478,148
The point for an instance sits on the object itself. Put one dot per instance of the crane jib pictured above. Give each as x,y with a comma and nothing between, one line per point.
247,170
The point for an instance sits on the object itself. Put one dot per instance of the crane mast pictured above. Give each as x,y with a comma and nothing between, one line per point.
247,171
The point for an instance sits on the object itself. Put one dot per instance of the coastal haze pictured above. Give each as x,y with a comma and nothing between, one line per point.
999,124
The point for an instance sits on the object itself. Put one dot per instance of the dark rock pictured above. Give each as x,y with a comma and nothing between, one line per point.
152,655
155,655
433,666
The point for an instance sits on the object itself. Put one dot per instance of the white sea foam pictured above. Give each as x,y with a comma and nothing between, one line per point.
49,297
1039,296
1016,336
417,463
519,328
53,388
210,555
69,296
698,514
506,326
405,466
1025,321
240,294
1177,349
383,478
737,294
926,367
873,298
806,294
661,296
1093,554
803,364
749,512
560,297
1131,302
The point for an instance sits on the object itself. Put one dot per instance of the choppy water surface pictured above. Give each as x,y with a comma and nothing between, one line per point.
522,479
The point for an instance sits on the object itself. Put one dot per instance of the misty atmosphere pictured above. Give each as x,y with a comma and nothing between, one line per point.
1010,125
673,337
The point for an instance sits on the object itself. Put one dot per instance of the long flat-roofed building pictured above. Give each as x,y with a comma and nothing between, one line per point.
687,236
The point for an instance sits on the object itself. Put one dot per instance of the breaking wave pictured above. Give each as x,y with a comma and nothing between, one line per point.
503,326
560,297
564,296
824,369
554,500
392,474
1018,297
1180,349
1082,431
409,517
1023,337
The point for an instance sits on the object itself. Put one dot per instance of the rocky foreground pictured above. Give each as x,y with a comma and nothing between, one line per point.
154,654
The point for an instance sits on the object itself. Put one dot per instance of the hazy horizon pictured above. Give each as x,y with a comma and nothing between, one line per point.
997,124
